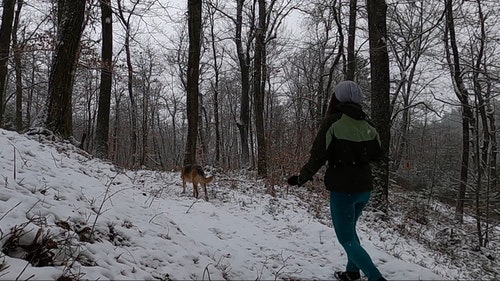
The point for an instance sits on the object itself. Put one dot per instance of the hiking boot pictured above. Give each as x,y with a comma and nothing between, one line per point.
347,275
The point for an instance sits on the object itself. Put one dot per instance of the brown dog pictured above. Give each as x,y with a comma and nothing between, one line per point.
195,174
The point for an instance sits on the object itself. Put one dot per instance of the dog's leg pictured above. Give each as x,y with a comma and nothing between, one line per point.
183,186
195,190
205,189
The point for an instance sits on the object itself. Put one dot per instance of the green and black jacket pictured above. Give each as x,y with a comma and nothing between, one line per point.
348,143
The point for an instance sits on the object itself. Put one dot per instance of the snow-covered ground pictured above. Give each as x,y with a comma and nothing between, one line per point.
86,219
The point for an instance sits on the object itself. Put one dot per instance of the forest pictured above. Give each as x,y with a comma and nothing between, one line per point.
244,85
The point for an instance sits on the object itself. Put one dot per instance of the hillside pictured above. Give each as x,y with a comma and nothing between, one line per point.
74,216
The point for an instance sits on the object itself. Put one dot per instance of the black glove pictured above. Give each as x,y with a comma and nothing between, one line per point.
296,180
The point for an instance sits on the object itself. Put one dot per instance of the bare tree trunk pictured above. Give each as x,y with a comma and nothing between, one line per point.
483,153
114,142
5,37
202,136
380,90
493,176
217,121
130,75
57,115
102,126
193,73
159,145
215,88
463,96
488,146
351,56
146,107
90,111
133,103
244,62
477,159
29,101
17,49
145,130
401,136
259,91
172,108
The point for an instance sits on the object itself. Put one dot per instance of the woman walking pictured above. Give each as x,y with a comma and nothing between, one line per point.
349,143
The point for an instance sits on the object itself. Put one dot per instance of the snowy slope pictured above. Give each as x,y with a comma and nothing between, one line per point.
107,223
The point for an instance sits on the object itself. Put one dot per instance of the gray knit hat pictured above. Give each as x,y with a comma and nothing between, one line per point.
349,91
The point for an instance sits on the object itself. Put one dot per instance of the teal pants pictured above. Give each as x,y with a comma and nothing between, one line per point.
346,208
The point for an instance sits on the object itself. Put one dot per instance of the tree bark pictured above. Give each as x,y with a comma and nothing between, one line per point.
463,96
193,73
58,118
102,126
5,37
215,87
244,63
259,91
351,55
17,49
380,90
134,163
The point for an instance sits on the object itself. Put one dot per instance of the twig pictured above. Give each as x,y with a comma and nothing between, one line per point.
29,210
208,272
259,275
191,206
14,162
151,220
279,272
54,159
22,271
15,159
106,198
4,215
